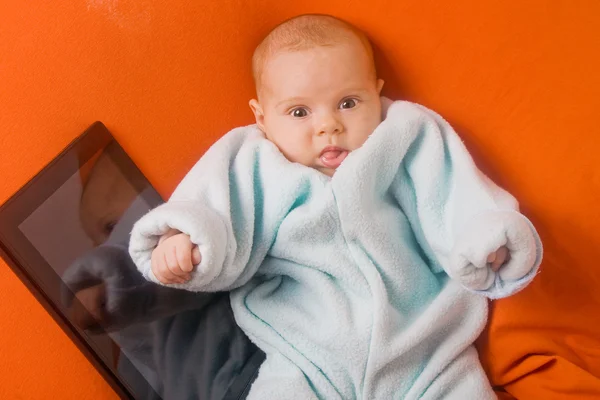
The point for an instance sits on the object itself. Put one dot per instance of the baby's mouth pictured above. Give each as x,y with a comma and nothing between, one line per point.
332,156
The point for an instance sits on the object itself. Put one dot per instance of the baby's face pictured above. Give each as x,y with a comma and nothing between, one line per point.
317,105
106,197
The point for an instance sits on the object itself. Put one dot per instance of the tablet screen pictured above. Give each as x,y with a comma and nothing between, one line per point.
66,235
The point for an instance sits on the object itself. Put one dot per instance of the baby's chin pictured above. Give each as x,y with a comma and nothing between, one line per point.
327,171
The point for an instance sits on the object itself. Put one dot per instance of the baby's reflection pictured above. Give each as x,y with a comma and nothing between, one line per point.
105,197
150,323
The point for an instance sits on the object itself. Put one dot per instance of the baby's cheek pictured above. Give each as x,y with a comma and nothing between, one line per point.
361,135
294,141
302,152
289,150
363,125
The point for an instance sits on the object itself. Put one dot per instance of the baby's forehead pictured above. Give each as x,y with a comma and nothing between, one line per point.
341,38
286,60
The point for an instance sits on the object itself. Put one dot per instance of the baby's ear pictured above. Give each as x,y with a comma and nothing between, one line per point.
385,105
380,83
258,113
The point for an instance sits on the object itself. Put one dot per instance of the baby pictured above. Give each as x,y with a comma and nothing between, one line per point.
336,222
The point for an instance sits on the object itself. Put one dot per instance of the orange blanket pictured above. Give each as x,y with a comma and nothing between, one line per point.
518,80
544,343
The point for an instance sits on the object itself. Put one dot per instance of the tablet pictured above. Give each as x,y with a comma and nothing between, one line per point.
65,234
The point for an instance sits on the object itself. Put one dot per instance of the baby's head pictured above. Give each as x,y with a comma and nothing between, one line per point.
106,195
317,90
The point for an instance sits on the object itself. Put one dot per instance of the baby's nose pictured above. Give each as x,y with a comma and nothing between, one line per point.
329,124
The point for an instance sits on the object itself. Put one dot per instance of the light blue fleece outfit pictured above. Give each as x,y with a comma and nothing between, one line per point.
371,284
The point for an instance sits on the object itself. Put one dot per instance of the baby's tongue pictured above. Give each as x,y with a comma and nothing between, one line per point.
333,158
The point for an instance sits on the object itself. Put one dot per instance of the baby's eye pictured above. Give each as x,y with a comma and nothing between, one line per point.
299,112
109,227
348,103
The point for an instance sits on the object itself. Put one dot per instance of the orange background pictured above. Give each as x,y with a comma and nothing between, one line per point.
518,80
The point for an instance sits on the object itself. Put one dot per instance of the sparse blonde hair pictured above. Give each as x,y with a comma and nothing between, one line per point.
304,32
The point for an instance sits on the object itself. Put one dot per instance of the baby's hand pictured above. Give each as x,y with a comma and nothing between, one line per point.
174,258
494,252
498,258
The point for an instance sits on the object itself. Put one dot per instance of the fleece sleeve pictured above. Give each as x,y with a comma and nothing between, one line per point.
458,214
230,204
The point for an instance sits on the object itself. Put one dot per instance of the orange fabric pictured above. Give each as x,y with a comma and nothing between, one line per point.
518,80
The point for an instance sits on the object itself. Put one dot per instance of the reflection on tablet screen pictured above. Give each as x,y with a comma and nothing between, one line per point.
83,212
159,342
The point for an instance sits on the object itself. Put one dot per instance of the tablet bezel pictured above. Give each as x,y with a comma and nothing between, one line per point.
31,267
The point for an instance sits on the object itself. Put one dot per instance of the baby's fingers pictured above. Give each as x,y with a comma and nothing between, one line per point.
499,258
184,257
161,270
173,264
196,256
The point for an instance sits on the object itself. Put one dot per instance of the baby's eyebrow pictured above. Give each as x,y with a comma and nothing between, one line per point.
354,91
291,100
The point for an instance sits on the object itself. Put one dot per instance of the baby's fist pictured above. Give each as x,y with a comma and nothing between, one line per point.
174,258
495,246
498,258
